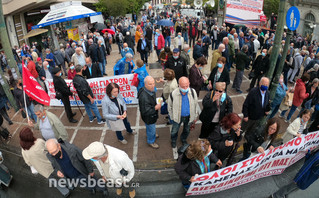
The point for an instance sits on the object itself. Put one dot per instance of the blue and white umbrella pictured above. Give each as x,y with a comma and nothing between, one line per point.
165,22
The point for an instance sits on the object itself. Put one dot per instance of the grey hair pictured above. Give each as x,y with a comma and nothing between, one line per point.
186,46
244,48
38,108
315,80
78,68
52,139
147,78
129,55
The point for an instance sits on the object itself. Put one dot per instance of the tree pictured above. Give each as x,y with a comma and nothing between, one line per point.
119,7
271,6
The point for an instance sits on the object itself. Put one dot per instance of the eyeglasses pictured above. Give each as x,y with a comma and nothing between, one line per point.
220,91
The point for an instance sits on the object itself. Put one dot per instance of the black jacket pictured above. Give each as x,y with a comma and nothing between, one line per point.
96,72
241,60
224,76
260,65
198,52
252,107
178,65
61,86
147,104
130,42
217,141
93,52
314,96
82,88
146,48
187,168
18,96
254,140
210,108
101,53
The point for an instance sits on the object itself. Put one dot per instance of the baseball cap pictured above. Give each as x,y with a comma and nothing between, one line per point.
38,59
55,70
95,149
175,50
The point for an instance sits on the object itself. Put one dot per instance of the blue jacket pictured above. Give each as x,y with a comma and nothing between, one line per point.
123,52
119,67
142,73
309,172
197,52
280,94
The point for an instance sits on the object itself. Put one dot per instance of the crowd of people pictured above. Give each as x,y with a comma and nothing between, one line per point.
222,130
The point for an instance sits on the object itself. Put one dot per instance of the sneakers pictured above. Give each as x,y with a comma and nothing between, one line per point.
102,121
73,121
132,193
132,133
123,141
239,91
93,119
154,145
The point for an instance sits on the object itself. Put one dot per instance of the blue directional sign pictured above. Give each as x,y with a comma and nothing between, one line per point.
293,18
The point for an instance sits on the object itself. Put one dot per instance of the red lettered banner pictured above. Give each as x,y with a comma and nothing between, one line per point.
33,89
98,86
272,162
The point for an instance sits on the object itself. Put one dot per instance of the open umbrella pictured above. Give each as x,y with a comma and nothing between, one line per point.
34,33
108,30
165,22
99,26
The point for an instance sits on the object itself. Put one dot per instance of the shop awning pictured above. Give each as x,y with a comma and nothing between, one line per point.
66,11
34,32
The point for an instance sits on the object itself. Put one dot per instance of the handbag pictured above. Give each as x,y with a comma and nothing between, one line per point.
117,125
58,95
164,110
135,80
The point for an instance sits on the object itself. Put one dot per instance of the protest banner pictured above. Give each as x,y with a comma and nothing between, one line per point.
98,86
271,162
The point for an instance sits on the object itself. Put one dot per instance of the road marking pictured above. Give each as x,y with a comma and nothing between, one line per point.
137,129
77,128
62,114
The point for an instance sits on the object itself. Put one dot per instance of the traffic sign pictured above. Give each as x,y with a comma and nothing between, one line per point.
293,18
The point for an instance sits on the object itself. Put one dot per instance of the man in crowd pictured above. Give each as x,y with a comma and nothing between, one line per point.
112,163
86,95
124,65
182,104
177,63
63,93
192,32
50,58
59,60
143,47
91,70
241,60
149,110
260,68
49,124
126,50
186,57
256,105
205,43
102,57
214,35
159,43
216,55
78,58
68,162
93,51
198,50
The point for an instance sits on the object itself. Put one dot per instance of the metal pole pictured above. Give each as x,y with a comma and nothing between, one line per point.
7,91
6,44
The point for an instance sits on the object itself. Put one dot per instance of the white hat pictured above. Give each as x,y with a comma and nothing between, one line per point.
95,149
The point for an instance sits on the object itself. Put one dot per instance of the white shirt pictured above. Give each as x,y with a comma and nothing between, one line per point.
256,45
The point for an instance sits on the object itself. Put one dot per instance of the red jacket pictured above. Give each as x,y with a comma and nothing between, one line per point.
299,93
71,74
160,42
32,69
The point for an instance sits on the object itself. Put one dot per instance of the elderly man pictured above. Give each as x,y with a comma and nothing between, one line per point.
113,164
144,47
205,43
91,70
260,68
241,60
159,43
68,163
50,58
186,57
181,105
149,109
102,57
126,50
32,68
60,61
48,74
177,63
49,124
179,41
256,105
93,51
214,35
125,65
78,58
86,95
216,54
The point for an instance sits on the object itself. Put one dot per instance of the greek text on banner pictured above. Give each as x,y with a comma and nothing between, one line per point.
98,86
272,162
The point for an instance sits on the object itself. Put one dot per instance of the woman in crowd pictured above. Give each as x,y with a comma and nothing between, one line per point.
296,128
281,92
299,95
216,105
164,55
224,137
313,91
196,77
219,74
141,72
71,72
197,159
262,139
138,34
114,110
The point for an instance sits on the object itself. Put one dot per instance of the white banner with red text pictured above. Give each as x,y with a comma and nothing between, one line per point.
98,86
271,162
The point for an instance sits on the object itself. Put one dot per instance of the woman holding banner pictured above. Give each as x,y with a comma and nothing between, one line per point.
114,111
195,160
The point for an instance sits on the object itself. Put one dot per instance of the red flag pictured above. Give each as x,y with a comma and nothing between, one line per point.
33,89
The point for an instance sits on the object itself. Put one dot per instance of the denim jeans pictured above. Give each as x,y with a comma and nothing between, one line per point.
150,133
168,41
291,112
144,56
31,112
185,36
120,45
102,66
274,109
214,44
128,129
175,129
93,106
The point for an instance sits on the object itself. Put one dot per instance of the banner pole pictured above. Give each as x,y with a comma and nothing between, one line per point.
25,105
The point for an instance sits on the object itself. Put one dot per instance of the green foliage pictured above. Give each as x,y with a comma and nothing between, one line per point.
119,7
271,6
